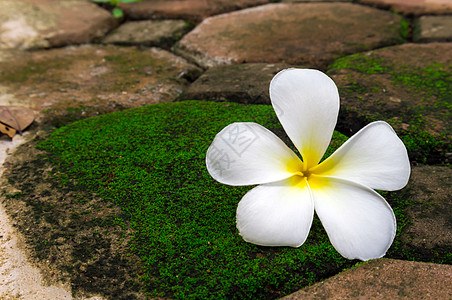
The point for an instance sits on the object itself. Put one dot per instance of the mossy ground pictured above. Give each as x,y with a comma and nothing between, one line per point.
140,203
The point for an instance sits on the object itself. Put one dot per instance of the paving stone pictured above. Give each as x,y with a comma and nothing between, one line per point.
407,85
29,24
247,83
162,33
414,7
192,10
384,279
433,28
76,82
429,232
311,34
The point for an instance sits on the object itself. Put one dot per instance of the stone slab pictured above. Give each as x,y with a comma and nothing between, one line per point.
76,82
384,279
414,7
246,83
30,24
161,33
429,232
433,29
407,85
192,10
311,34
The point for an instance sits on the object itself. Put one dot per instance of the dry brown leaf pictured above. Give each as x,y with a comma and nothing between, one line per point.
7,130
15,118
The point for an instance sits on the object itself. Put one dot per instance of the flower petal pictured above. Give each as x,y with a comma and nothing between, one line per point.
247,153
276,214
359,222
374,157
307,104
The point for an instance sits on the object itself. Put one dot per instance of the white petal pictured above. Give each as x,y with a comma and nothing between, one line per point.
307,105
359,222
276,214
247,153
375,157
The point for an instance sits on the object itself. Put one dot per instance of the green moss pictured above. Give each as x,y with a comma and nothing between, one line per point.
434,80
361,63
151,163
404,29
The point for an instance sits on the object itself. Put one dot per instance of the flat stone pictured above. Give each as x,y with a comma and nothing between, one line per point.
311,34
162,33
414,7
384,279
407,85
83,81
247,83
29,24
429,231
192,10
433,29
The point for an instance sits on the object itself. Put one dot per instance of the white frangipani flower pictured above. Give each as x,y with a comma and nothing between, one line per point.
279,211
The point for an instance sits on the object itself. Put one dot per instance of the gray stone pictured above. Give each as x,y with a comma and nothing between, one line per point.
433,29
311,34
192,10
247,83
29,24
77,82
384,279
162,33
413,7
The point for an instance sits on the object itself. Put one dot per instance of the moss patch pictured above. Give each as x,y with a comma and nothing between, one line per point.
142,173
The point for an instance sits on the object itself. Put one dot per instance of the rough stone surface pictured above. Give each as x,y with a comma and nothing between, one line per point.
414,7
162,33
28,24
384,279
193,10
407,85
247,83
88,80
433,28
430,210
305,33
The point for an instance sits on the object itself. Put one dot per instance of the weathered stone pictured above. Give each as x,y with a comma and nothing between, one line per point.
433,28
247,83
76,82
162,33
193,10
408,85
384,279
430,194
29,24
414,7
311,34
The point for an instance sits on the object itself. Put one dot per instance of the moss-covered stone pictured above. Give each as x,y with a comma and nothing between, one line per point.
131,188
409,86
150,164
